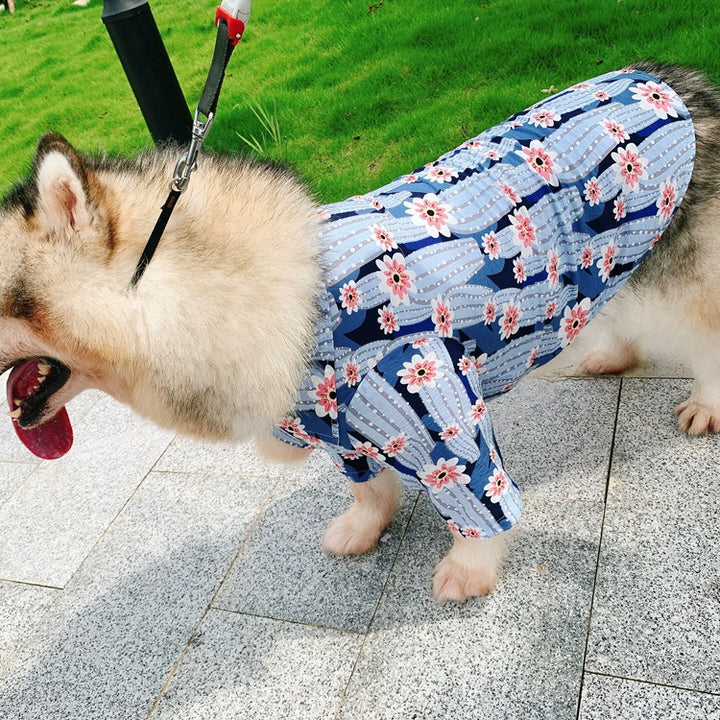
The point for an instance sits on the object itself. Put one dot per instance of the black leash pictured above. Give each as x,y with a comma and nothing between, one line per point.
230,18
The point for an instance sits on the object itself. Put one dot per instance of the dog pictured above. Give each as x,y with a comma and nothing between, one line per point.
376,328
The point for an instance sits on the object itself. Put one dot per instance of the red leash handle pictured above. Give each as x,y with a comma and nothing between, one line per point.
235,14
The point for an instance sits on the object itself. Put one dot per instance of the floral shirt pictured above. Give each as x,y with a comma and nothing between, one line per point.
446,286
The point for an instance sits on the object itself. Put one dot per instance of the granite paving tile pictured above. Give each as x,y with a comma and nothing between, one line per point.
243,668
55,517
516,653
283,572
107,645
12,476
555,437
21,608
611,698
188,455
656,613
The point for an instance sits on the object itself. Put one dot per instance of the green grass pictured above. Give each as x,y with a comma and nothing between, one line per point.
349,96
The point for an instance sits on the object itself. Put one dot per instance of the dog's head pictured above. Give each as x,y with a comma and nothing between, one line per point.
54,227
205,339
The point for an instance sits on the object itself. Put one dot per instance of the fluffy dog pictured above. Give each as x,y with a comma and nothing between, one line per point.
375,328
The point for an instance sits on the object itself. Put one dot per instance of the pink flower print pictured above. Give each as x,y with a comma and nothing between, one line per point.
510,321
601,95
524,230
395,278
519,271
492,155
453,526
607,262
655,240
666,201
431,214
541,161
480,361
629,165
351,373
489,313
592,192
325,394
574,320
544,118
653,97
619,208
377,205
420,371
295,428
442,317
388,321
472,144
470,532
438,173
383,238
411,178
350,455
553,267
349,297
550,310
443,473
490,245
533,357
497,485
509,192
465,364
615,130
367,449
586,257
420,342
582,86
477,412
451,431
394,446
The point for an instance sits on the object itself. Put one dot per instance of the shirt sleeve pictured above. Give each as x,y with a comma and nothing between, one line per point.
420,410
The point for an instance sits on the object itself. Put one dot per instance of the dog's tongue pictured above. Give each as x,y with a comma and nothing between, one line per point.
49,440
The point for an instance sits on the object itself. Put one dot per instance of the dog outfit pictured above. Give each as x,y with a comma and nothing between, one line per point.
446,286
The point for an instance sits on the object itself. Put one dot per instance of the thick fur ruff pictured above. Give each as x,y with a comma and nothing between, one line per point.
215,340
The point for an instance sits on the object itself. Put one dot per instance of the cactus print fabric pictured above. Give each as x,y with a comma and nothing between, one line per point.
446,286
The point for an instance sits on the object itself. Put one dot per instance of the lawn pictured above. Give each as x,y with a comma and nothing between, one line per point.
360,92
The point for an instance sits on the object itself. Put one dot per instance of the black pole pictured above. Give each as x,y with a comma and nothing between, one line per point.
138,44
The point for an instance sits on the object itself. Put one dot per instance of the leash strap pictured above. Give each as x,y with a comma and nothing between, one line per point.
155,236
231,18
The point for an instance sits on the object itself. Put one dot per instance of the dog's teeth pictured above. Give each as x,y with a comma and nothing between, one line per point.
17,402
15,414
40,380
43,368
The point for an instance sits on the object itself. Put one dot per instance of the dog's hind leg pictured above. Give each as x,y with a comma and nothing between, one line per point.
358,530
470,568
611,338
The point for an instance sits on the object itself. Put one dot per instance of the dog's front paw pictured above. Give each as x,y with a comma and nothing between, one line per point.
469,569
353,533
697,419
454,582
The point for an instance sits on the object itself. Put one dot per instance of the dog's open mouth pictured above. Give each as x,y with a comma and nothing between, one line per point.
29,387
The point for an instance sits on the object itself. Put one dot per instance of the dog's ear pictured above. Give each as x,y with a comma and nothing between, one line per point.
62,185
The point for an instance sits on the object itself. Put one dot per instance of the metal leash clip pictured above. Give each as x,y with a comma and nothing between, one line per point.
188,162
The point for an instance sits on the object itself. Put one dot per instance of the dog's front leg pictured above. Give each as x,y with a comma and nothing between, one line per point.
358,529
277,451
470,568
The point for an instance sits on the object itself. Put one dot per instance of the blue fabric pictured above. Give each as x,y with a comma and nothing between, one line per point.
446,286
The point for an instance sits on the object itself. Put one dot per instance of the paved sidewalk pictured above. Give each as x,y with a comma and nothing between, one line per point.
147,576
